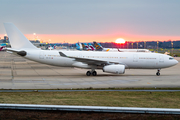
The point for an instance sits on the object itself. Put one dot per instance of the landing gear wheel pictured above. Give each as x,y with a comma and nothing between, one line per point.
158,74
88,73
94,73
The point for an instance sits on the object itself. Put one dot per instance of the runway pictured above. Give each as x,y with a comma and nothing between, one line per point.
19,73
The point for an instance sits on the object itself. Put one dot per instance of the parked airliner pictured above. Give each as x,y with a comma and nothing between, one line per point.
2,46
111,62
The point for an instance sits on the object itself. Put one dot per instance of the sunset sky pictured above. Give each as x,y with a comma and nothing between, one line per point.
93,20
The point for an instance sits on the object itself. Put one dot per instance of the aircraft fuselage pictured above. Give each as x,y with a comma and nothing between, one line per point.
131,60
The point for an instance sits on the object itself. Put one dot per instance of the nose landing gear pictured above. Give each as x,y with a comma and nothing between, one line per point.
158,72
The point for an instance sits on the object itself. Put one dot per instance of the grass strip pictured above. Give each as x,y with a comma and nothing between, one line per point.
110,88
117,99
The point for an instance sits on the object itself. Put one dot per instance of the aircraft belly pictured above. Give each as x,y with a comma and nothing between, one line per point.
150,64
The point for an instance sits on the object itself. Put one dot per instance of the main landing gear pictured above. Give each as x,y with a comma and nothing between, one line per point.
158,72
94,73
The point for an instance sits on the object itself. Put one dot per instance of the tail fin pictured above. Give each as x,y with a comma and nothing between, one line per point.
16,38
98,46
80,45
3,44
83,46
1,48
92,48
86,46
77,46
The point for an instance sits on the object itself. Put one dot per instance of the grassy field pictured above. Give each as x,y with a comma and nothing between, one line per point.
118,99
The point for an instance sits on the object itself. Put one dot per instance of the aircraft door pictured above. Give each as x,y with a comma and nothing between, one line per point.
161,59
41,55
135,58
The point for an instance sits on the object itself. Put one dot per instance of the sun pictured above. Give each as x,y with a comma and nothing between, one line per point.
120,40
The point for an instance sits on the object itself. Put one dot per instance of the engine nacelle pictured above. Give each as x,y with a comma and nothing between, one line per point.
117,69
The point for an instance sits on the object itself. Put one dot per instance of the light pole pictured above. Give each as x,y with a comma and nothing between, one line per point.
127,45
144,44
157,46
132,45
172,46
137,45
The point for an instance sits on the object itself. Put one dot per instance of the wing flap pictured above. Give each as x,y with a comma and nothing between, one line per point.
90,61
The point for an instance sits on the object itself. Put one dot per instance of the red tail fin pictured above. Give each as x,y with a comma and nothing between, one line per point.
1,48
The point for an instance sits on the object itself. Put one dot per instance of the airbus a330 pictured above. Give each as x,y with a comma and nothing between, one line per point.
110,62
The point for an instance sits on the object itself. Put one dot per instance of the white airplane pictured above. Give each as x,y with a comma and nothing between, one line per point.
111,62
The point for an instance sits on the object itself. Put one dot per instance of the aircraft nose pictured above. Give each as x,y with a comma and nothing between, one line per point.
176,62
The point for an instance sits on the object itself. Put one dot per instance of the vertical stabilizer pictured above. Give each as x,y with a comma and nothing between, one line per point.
92,48
16,38
98,46
80,45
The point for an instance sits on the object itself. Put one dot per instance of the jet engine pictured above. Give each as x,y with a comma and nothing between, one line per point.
117,69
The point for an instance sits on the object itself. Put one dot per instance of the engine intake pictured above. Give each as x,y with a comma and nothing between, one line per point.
117,69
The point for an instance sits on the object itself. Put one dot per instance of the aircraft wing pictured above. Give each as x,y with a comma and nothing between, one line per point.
90,61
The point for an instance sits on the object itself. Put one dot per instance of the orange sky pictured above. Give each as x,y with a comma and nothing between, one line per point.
55,38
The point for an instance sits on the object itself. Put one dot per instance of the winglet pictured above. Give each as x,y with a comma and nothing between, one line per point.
62,54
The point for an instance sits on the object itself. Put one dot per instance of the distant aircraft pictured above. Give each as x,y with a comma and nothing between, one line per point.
3,44
91,46
79,46
3,47
100,48
50,47
84,46
110,62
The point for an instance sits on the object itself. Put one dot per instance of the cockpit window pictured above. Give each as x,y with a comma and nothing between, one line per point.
171,58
